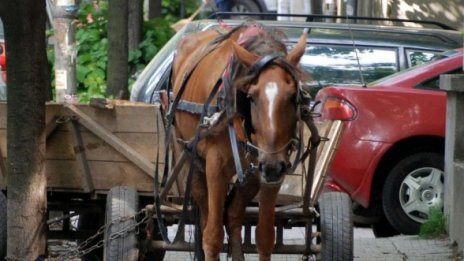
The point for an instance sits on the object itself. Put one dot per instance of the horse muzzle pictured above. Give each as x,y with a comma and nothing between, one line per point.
272,173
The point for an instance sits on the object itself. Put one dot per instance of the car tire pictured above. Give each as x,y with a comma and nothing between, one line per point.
412,188
246,6
383,228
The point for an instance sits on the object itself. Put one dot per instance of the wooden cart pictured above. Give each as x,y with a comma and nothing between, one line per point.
100,164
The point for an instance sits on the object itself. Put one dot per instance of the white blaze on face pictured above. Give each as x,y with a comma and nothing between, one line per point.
271,92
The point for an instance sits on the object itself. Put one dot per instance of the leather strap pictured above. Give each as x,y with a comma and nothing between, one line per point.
263,62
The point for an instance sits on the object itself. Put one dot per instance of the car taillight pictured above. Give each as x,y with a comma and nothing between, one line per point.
334,108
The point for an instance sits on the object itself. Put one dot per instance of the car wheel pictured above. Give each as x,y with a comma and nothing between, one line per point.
246,6
383,228
412,188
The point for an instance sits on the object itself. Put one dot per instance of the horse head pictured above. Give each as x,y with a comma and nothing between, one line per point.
271,86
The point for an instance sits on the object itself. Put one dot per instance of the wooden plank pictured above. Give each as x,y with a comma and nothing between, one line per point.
114,141
134,127
130,117
81,158
59,146
64,175
325,159
293,186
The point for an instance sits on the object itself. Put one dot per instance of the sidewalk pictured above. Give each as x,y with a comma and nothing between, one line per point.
404,248
367,248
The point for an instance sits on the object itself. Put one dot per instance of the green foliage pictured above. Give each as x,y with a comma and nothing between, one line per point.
435,226
156,33
171,9
92,47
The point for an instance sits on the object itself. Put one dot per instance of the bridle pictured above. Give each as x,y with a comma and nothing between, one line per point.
294,143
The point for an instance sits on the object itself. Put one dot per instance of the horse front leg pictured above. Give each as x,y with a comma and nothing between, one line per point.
236,214
265,233
200,195
217,178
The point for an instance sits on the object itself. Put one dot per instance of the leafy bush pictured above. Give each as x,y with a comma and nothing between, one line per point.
92,47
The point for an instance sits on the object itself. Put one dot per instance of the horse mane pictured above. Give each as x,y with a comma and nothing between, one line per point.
262,40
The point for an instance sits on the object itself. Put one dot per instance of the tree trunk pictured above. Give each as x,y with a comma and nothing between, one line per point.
154,9
28,80
135,23
118,49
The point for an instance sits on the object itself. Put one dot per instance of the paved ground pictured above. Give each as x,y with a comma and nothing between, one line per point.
366,247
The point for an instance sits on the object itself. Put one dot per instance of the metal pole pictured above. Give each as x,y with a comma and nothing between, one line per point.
64,14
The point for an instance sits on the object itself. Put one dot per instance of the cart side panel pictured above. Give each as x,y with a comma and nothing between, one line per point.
293,186
131,124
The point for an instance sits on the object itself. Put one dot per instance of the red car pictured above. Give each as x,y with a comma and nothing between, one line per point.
391,154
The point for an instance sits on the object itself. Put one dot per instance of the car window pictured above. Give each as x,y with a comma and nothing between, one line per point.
434,83
416,57
330,65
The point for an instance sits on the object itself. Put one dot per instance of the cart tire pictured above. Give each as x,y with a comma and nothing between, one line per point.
336,222
121,202
2,226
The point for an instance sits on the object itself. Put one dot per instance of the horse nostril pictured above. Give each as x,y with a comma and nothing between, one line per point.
284,166
273,171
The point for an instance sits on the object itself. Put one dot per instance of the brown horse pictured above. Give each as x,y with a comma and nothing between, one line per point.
260,86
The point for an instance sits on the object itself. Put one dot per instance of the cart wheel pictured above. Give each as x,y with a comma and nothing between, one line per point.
2,226
121,202
336,223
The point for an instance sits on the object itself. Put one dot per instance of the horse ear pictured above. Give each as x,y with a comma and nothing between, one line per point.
244,56
295,54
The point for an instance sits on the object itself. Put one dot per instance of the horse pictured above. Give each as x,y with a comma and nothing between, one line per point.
249,82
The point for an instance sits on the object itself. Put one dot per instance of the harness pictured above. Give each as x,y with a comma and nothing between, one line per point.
214,118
